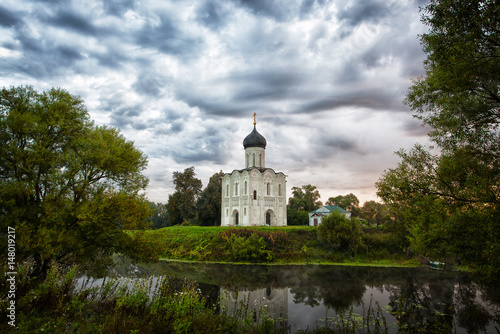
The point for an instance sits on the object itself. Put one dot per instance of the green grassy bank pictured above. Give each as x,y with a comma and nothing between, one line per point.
273,245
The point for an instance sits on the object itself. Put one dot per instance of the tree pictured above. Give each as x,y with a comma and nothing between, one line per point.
69,188
209,203
348,202
375,213
296,218
339,232
181,204
305,198
459,97
158,216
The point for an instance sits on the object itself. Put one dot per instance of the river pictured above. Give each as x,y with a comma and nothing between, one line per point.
303,297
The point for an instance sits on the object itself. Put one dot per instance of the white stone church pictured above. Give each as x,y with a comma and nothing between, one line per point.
255,195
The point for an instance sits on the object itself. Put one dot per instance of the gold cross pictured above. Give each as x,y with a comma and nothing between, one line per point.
254,121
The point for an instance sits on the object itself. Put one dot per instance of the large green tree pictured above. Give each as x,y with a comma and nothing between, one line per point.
375,213
456,185
305,198
69,188
181,204
209,202
347,202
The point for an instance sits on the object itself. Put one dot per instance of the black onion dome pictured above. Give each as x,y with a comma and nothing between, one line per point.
254,139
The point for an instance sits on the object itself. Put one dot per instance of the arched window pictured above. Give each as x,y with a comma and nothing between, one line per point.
255,194
268,189
236,189
279,189
260,160
246,192
227,190
253,160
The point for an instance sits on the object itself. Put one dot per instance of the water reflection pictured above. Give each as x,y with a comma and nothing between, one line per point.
304,297
254,304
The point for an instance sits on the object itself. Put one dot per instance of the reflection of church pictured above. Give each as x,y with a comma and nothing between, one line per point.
255,195
272,302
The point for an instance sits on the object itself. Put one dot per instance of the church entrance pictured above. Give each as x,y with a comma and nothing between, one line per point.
270,218
236,218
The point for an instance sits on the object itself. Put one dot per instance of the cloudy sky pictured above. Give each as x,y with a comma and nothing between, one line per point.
182,79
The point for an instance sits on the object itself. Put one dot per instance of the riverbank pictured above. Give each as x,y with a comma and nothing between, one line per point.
274,245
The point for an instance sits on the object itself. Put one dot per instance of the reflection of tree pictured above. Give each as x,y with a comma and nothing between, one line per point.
306,294
430,307
471,315
342,295
339,288
423,308
423,301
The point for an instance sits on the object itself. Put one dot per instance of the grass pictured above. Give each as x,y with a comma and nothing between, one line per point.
269,245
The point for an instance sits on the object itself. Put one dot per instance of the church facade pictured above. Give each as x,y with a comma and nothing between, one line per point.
255,195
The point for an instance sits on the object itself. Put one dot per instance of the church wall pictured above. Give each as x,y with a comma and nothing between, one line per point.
252,212
255,157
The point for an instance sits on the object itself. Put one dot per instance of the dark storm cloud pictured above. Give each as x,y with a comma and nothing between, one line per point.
211,106
111,57
306,7
148,83
44,58
335,143
167,37
376,99
182,78
121,113
73,21
118,7
206,146
9,18
212,14
272,9
265,84
362,11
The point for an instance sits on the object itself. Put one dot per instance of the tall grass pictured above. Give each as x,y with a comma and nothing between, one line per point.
289,244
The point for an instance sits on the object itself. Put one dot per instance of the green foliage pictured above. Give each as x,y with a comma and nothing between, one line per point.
69,188
457,184
209,203
305,198
296,218
181,204
375,213
158,216
291,244
348,202
339,232
60,304
247,249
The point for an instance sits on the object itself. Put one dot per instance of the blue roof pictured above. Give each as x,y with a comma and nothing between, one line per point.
331,208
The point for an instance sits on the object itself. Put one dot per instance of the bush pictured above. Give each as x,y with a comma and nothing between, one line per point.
249,246
340,233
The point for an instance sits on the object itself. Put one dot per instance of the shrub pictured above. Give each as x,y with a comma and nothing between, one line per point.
340,233
252,248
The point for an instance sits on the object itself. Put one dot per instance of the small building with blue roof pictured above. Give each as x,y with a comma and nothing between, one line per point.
317,215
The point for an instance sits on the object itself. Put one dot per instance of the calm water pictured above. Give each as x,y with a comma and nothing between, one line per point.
304,297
